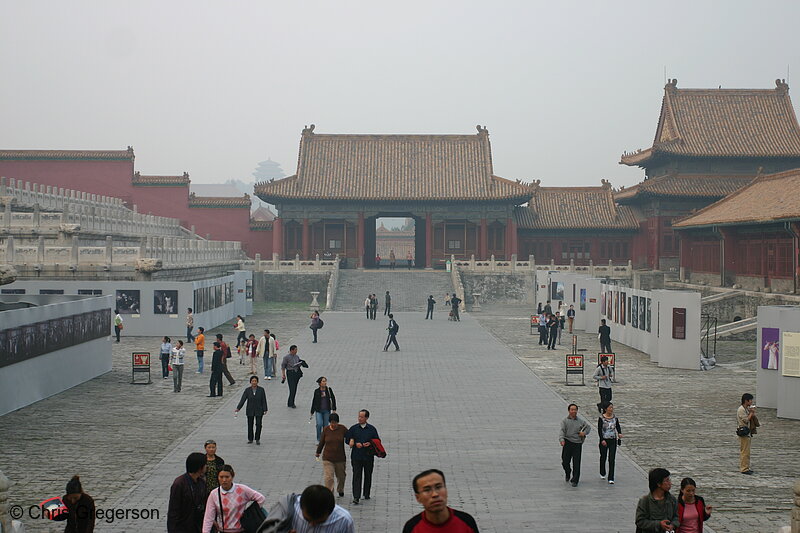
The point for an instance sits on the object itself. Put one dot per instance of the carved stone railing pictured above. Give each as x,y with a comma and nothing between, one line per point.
619,271
296,264
333,285
457,285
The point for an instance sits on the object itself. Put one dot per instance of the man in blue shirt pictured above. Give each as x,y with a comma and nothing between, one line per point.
362,456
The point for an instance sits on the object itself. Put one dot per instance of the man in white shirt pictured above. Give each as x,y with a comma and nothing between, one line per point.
261,350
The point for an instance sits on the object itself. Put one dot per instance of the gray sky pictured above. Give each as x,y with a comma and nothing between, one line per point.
215,87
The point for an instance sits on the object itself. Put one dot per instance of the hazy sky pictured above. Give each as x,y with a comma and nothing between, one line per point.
213,88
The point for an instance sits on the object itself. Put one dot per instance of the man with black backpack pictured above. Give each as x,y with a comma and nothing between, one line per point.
455,302
392,338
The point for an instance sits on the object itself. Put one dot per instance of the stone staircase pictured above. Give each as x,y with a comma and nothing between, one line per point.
409,288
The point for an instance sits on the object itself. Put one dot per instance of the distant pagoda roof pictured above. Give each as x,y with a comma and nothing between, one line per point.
684,186
160,181
394,168
723,123
768,199
575,208
65,155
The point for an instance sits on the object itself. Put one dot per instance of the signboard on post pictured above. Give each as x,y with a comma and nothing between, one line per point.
574,366
140,364
534,323
612,362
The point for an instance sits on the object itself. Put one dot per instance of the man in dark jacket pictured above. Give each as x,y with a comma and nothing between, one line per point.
256,399
392,338
552,331
187,497
359,438
455,302
604,334
431,303
215,383
388,307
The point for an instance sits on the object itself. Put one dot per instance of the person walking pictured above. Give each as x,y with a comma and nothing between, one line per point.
409,259
387,304
610,434
604,376
657,511
447,303
200,348
226,354
571,318
368,306
561,319
334,460
323,404
272,344
377,261
117,323
604,335
187,497
226,503
241,338
256,398
548,309
571,435
316,324
315,510
455,302
80,508
189,325
430,490
746,424
392,260
215,383
213,463
251,352
177,356
359,438
692,508
166,353
431,303
393,328
552,331
290,368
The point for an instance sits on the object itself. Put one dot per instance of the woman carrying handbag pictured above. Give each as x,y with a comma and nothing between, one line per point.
610,437
226,504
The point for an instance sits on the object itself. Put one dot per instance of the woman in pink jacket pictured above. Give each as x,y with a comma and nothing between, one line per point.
233,498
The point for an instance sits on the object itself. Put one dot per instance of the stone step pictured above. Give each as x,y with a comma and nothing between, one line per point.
409,289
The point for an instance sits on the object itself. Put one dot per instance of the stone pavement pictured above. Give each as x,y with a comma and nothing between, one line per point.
682,420
453,398
109,431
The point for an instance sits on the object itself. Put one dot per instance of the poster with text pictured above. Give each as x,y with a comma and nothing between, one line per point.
583,299
770,344
790,348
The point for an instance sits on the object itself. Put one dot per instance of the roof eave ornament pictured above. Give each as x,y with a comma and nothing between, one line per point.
606,184
672,85
308,130
781,86
482,130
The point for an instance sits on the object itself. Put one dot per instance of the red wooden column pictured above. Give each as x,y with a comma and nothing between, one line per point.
483,250
428,241
306,240
514,245
509,244
360,240
277,237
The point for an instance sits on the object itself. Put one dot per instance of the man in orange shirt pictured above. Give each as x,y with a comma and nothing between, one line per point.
200,347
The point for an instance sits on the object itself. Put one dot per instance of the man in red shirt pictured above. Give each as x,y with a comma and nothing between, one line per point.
431,492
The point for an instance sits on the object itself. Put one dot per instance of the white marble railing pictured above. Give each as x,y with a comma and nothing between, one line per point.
54,207
316,264
171,251
619,270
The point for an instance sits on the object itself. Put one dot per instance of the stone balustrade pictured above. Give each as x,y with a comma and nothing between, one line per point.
57,208
297,264
610,270
170,251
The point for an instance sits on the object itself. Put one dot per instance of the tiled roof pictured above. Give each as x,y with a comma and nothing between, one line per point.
769,198
22,155
394,167
723,123
160,181
219,201
575,208
262,214
683,186
260,225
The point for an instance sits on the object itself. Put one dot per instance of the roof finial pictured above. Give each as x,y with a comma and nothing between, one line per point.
308,130
671,85
606,184
482,130
781,86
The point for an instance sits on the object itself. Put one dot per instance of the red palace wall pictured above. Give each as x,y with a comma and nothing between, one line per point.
114,178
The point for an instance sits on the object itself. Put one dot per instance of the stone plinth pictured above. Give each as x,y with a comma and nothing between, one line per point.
314,303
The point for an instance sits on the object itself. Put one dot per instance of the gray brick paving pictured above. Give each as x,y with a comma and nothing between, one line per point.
682,420
453,398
